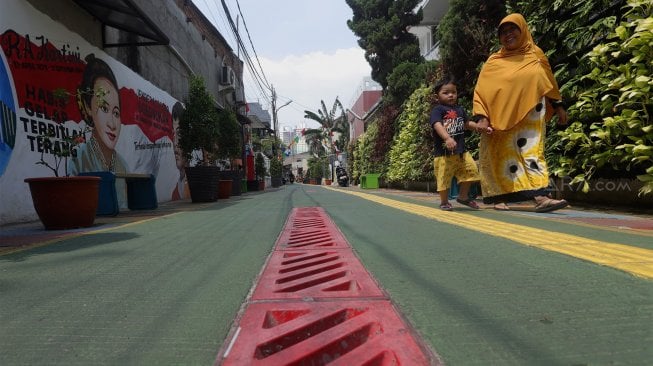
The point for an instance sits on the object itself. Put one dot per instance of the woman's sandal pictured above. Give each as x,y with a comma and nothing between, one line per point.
501,207
549,204
469,203
446,207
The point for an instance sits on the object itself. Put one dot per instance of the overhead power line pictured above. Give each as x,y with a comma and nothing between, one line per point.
250,42
261,80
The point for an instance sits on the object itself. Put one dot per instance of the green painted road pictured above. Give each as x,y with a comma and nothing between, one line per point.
479,287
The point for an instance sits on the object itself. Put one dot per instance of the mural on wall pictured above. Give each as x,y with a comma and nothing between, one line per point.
54,83
7,117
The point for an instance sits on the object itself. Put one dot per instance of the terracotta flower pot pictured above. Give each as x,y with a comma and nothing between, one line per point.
65,202
224,188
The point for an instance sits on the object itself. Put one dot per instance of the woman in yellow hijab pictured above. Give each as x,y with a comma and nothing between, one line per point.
515,95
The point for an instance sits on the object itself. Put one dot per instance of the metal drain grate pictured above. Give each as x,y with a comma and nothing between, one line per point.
315,304
314,274
335,333
308,228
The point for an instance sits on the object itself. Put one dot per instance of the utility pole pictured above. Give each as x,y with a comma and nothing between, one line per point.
274,118
274,121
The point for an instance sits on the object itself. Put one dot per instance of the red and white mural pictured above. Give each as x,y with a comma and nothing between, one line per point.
54,83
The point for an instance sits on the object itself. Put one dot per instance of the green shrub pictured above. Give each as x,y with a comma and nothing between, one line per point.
276,167
198,125
618,100
411,155
259,167
316,167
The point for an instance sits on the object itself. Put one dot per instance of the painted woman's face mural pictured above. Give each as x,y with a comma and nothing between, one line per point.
105,111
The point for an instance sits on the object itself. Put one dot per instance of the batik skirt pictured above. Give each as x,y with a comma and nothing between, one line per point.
511,162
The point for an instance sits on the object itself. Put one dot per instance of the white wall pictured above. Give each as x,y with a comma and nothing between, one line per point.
27,76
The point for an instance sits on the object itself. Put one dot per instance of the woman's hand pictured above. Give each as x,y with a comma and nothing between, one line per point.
483,124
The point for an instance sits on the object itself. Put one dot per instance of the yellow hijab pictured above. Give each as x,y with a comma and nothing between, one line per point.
511,83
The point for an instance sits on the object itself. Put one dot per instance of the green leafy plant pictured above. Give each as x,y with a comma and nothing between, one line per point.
386,129
382,28
466,36
411,152
363,151
198,126
331,121
259,167
618,101
229,144
316,167
276,167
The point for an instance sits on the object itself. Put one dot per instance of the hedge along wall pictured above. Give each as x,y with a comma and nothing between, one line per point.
411,154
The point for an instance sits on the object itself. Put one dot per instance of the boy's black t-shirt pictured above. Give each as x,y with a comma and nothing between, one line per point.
453,119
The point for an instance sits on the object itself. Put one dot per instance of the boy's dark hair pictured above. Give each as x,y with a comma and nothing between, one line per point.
447,79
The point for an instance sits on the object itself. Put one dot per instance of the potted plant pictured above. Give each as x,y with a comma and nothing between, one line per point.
63,201
276,168
198,140
316,169
260,170
229,148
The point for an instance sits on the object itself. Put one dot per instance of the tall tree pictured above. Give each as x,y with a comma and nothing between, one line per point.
467,34
331,121
382,27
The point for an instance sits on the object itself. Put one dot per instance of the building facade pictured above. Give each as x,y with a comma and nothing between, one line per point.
145,51
367,97
432,12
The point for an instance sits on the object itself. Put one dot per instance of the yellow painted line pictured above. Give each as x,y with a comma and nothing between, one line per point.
634,260
631,231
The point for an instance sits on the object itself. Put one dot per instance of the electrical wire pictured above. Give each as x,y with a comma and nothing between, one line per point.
250,41
260,84
262,81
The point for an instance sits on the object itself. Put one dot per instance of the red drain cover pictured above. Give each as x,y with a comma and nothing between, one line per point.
310,227
322,238
318,333
314,274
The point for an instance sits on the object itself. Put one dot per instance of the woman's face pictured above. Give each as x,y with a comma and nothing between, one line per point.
509,35
105,111
179,155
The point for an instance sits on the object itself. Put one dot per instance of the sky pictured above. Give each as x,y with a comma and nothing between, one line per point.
305,49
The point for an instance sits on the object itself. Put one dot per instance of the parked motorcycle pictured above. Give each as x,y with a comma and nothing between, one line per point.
342,177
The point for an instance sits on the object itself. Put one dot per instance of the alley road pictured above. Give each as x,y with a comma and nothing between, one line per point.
573,287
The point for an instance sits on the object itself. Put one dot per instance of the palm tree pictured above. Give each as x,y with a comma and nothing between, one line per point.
321,139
